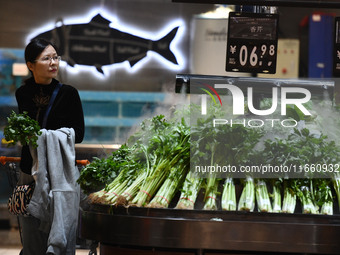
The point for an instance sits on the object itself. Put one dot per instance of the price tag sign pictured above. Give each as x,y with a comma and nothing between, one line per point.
252,43
336,57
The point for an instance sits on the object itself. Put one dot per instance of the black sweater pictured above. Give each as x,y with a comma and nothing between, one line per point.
66,111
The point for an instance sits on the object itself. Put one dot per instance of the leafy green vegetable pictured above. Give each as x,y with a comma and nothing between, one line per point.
21,128
101,171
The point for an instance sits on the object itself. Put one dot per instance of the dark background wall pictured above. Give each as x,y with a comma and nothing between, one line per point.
20,18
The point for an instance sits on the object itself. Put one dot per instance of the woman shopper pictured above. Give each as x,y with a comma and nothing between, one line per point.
57,108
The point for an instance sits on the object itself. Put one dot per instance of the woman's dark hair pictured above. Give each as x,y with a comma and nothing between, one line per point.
35,47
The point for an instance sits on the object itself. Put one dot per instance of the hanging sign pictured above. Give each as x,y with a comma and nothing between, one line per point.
252,43
98,44
336,54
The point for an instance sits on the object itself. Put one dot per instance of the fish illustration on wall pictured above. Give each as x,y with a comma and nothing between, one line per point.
97,44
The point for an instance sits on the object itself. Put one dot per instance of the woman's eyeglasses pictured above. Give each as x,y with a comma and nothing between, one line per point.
48,59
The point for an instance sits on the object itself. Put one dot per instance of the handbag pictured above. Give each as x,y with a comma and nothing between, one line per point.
21,196
23,191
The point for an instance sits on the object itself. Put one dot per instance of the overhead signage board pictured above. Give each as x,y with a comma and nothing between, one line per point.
252,43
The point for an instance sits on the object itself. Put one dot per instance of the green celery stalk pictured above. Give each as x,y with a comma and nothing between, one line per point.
130,191
113,193
169,149
169,188
276,195
151,185
289,196
305,197
97,197
229,202
336,185
289,201
322,195
327,206
103,196
262,196
190,190
211,192
247,199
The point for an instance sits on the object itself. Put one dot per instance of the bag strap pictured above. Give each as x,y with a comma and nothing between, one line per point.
54,95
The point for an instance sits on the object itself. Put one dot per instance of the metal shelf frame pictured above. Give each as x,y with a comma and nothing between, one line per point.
334,4
212,230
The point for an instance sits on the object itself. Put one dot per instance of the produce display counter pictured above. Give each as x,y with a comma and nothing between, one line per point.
134,230
147,230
